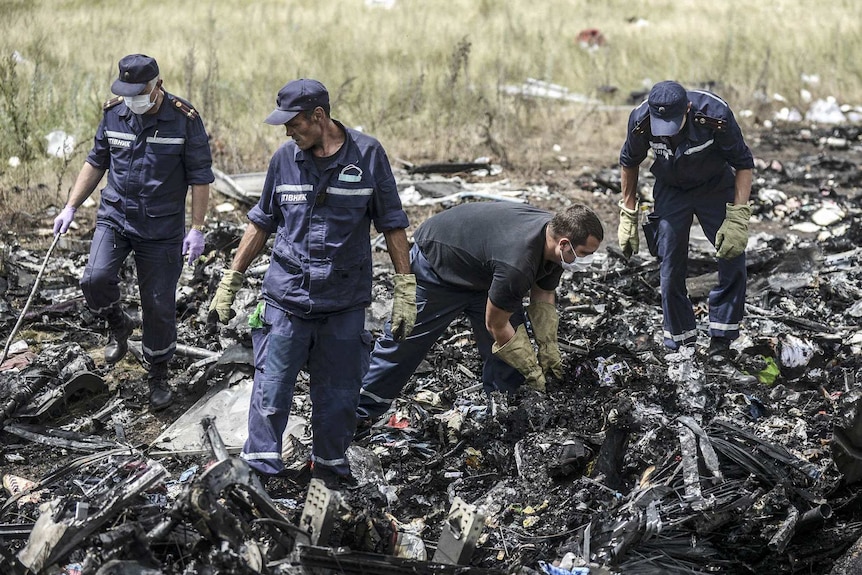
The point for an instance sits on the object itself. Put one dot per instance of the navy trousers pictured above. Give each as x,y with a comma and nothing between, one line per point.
437,306
334,350
676,209
158,263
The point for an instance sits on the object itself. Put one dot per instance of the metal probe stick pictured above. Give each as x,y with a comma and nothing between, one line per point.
29,299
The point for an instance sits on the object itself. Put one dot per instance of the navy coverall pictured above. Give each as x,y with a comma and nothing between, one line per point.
694,176
315,291
151,161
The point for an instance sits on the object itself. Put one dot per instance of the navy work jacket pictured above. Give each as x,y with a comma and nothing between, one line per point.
321,256
151,161
713,144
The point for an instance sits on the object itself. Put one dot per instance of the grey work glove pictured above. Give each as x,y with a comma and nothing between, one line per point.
545,321
518,352
403,306
732,236
627,233
222,301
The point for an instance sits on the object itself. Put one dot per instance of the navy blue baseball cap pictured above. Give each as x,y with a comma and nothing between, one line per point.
298,96
668,103
135,71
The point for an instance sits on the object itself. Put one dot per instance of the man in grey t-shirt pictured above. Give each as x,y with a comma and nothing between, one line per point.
482,259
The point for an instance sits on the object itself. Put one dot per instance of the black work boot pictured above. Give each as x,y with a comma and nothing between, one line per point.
719,348
157,380
120,327
332,479
719,362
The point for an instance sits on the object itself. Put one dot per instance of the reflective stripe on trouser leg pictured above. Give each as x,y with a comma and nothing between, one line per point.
159,265
497,375
336,363
727,299
280,351
101,280
393,363
676,212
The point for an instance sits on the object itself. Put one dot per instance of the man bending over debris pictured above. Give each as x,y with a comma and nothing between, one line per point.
481,259
154,147
702,167
322,191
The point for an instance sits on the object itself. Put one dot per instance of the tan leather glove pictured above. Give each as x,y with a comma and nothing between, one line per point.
222,301
627,233
732,236
545,321
403,306
518,352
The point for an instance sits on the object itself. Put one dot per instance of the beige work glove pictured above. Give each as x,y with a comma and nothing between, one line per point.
545,321
403,306
518,352
222,301
627,233
732,236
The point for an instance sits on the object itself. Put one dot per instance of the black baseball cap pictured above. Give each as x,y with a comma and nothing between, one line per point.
298,96
136,70
668,103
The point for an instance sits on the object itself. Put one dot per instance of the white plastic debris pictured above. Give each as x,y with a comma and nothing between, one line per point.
60,144
771,196
786,114
682,367
805,227
855,310
827,215
835,143
810,79
825,112
795,351
14,161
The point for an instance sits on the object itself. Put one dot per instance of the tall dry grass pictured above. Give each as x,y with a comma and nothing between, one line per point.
427,77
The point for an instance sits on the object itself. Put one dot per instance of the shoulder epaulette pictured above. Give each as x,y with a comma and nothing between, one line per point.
183,108
717,124
111,103
641,127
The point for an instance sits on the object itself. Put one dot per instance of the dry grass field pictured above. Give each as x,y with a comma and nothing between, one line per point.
433,80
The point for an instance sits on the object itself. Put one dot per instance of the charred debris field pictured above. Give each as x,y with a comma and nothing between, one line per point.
637,461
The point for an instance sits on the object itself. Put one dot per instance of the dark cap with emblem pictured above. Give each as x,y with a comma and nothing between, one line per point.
668,103
135,71
298,96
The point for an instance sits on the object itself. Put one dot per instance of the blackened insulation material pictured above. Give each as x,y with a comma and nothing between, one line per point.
354,563
777,453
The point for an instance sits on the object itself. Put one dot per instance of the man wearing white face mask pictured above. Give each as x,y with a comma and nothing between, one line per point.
702,167
154,147
482,259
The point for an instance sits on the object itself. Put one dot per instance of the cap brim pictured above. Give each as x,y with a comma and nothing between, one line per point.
280,117
125,89
664,126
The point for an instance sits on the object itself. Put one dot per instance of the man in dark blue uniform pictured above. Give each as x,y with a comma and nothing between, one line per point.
323,189
153,146
463,264
702,167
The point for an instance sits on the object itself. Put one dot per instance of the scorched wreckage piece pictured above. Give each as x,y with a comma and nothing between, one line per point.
634,462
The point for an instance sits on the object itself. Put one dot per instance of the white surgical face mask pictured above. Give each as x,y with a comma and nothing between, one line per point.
139,104
579,265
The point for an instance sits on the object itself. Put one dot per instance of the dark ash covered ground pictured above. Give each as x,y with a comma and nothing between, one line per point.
639,461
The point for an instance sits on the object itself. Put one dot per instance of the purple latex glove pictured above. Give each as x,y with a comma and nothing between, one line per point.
193,244
64,220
